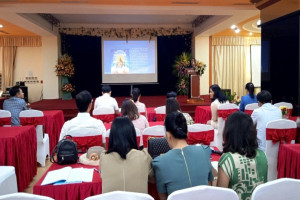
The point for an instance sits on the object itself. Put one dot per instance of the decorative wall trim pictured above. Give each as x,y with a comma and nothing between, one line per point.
20,41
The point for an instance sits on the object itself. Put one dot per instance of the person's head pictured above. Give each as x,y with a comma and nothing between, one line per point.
171,94
136,94
250,89
122,137
264,97
106,89
16,91
129,110
84,101
215,92
172,105
239,135
176,127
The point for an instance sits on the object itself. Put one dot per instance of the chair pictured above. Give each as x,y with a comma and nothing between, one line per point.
204,192
224,110
138,137
200,134
116,195
288,105
36,117
250,108
86,138
105,114
284,188
8,180
24,196
5,118
154,131
278,131
160,113
141,110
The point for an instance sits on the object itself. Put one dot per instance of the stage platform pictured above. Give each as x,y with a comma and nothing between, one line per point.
70,110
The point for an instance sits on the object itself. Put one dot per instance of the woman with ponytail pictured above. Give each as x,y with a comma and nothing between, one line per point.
183,166
136,95
249,98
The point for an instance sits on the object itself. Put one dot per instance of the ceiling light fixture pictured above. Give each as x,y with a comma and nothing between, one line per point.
1,26
233,26
250,33
258,22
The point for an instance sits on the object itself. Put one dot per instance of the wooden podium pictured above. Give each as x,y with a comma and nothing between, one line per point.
194,87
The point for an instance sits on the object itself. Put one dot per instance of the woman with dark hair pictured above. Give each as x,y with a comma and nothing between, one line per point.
183,166
242,166
130,110
123,167
136,95
217,98
172,105
249,98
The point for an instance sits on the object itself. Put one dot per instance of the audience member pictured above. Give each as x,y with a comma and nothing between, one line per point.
15,104
106,101
171,94
172,105
123,167
217,98
130,110
83,120
183,166
136,95
242,166
249,98
264,114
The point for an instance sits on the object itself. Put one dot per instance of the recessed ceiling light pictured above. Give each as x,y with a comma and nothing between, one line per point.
250,33
258,22
233,26
1,26
237,30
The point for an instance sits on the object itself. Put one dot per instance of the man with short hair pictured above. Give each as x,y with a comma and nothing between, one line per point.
83,120
264,114
15,104
106,101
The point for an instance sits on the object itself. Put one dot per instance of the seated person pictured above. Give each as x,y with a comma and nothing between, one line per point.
124,167
172,105
264,114
242,166
136,95
249,98
83,120
130,110
106,100
217,98
172,94
15,104
183,166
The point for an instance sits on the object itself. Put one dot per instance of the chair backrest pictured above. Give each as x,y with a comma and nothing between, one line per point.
153,131
121,195
288,105
24,196
105,114
274,127
250,108
138,137
204,193
200,134
284,188
141,109
5,118
160,113
33,117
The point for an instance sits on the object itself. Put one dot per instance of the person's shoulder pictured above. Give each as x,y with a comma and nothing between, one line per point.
142,117
225,156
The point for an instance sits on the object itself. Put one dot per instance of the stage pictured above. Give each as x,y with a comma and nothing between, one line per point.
70,110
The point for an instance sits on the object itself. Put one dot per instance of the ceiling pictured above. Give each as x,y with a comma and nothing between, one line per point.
20,17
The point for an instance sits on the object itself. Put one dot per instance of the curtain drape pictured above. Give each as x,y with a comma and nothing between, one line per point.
8,62
231,62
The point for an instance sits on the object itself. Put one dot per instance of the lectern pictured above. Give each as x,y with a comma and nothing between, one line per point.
194,86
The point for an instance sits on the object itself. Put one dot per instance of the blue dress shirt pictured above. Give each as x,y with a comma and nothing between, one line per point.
247,100
14,105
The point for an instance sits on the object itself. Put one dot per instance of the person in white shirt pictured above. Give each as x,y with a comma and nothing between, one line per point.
106,101
83,120
264,114
136,95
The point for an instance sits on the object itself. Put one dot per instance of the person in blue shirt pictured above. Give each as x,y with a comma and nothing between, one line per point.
249,98
15,104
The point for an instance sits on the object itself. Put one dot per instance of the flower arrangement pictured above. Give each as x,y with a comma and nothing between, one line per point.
67,87
182,63
233,98
65,66
284,111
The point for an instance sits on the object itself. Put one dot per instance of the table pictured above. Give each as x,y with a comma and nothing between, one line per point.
17,149
151,114
289,161
202,114
53,122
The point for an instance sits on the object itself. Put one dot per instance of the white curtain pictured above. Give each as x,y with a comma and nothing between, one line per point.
8,62
231,62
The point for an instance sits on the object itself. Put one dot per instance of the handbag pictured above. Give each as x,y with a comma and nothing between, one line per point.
157,146
66,151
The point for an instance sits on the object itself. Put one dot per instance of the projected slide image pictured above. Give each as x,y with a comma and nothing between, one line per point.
119,62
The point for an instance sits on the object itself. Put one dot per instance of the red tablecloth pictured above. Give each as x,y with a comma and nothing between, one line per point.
150,114
289,161
202,114
53,122
17,149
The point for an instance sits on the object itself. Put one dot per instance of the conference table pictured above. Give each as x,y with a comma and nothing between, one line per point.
289,161
17,149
